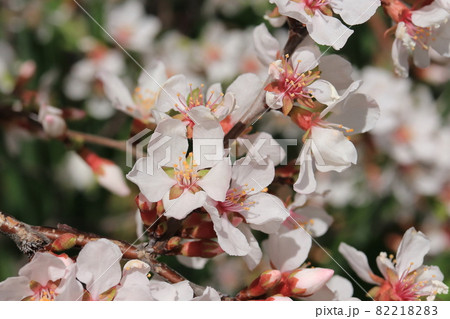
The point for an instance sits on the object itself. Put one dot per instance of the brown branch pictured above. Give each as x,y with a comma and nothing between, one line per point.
31,239
297,33
98,140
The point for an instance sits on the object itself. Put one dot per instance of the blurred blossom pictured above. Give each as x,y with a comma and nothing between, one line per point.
75,172
128,25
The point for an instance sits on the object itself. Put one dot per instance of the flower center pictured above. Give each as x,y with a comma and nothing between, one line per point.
417,35
236,200
194,99
311,6
43,293
145,100
294,85
185,172
300,221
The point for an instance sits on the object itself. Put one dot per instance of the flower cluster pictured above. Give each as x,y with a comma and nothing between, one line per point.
238,143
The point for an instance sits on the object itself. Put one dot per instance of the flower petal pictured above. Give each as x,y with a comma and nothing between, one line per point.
15,288
358,112
411,251
266,214
153,184
230,239
182,206
217,181
358,262
288,249
266,46
99,266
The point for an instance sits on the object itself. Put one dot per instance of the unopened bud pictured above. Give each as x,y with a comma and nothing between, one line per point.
64,242
199,226
201,248
278,298
148,210
305,282
52,122
261,285
108,174
173,243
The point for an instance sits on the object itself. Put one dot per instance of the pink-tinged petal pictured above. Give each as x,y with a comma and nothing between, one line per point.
288,249
210,294
357,12
310,279
112,178
336,70
305,58
182,206
400,56
430,15
217,181
266,46
116,91
174,91
292,9
306,182
253,258
332,150
358,262
413,248
44,267
15,289
328,30
167,143
153,183
99,266
358,112
251,174
230,239
266,214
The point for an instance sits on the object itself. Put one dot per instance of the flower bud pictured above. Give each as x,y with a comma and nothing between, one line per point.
52,121
64,242
201,248
305,282
261,285
149,211
108,174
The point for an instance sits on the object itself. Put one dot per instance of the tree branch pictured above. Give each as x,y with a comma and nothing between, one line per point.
31,239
